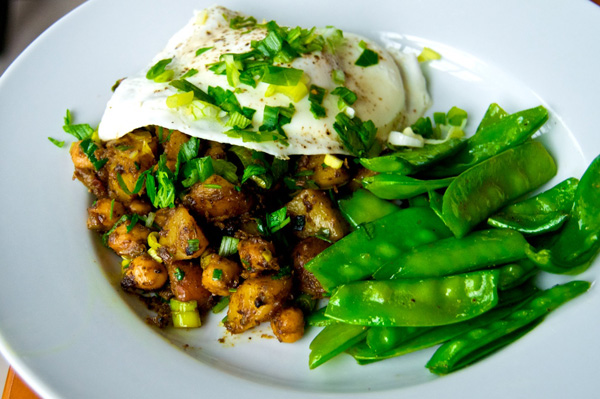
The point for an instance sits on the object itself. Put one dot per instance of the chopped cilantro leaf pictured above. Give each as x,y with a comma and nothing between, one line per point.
158,69
56,142
202,50
357,136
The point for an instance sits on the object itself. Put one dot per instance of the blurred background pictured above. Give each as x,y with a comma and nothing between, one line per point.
21,21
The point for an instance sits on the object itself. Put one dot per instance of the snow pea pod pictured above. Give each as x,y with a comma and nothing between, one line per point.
395,186
478,250
359,254
474,343
382,339
514,274
363,207
578,241
318,318
492,139
332,341
415,302
488,186
540,214
493,114
411,160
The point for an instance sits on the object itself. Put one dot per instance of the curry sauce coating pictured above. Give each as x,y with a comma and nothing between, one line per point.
303,252
146,273
256,301
217,199
257,256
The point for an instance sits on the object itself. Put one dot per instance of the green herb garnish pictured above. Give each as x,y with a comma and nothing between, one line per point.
56,142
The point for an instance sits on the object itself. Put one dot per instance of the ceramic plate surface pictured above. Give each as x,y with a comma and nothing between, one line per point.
70,332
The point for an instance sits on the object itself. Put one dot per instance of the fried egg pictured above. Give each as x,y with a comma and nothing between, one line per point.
392,93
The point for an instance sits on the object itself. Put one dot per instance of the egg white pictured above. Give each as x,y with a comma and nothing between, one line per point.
391,93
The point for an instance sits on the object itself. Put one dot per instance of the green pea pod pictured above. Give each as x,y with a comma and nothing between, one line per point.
578,241
514,274
492,139
436,202
332,341
494,114
419,200
490,185
318,319
478,250
411,160
359,254
429,337
415,303
452,354
382,339
363,207
395,186
540,214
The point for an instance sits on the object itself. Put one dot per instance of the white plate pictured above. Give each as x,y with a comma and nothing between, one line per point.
67,328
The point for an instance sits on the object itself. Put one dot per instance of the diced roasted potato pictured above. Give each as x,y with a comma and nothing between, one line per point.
303,252
162,215
181,236
217,199
175,140
216,150
323,175
129,156
288,325
85,172
129,244
257,255
320,215
103,214
186,283
140,207
256,301
146,273
220,274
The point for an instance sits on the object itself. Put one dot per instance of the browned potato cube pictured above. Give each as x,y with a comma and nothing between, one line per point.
220,274
181,236
216,150
129,244
85,172
172,146
256,301
186,283
162,215
217,199
320,216
140,207
324,176
257,255
288,325
356,182
303,252
99,214
146,273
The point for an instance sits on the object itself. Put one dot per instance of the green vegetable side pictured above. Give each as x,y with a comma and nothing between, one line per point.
471,291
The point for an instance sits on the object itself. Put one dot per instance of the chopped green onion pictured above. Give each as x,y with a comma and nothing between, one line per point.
190,72
277,220
240,22
333,161
228,246
112,207
253,170
428,55
154,255
221,305
338,77
57,143
185,85
217,274
315,97
81,131
184,314
456,116
294,93
237,119
158,69
368,57
202,50
347,97
214,186
89,148
180,99
282,76
165,76
179,274
193,246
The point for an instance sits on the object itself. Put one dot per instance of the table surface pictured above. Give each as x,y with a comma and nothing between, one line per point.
28,19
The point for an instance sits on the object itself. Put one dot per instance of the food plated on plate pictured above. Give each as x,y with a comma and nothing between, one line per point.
263,168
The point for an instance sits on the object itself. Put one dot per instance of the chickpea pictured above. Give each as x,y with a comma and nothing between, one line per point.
288,325
147,273
220,274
